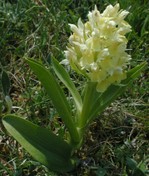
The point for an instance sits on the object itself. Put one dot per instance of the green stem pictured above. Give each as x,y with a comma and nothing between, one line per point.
90,96
74,134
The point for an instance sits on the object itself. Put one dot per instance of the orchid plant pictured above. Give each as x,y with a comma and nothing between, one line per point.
96,50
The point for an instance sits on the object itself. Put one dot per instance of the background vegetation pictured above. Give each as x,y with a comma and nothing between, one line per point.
117,142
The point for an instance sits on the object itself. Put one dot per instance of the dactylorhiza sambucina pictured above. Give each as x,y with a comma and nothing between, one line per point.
97,48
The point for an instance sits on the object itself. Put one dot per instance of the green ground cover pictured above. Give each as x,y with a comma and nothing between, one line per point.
117,143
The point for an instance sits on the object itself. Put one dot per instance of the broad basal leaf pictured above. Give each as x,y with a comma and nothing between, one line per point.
42,144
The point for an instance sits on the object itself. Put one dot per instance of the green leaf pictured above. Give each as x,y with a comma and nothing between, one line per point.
43,145
65,78
57,96
113,92
101,172
131,163
1,107
8,103
138,172
132,167
90,95
5,83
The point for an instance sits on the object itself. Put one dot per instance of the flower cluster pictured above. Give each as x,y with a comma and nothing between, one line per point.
97,49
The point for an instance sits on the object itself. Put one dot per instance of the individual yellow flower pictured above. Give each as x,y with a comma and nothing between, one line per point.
97,49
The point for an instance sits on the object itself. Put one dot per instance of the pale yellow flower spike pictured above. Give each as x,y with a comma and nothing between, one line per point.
97,48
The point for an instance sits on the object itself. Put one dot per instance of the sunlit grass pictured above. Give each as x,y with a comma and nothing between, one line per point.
118,140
